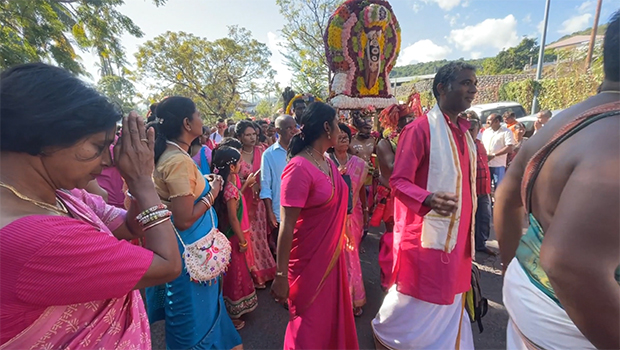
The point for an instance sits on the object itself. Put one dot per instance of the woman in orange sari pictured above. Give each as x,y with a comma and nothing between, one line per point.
312,268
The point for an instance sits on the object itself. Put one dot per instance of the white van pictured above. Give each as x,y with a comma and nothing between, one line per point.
485,110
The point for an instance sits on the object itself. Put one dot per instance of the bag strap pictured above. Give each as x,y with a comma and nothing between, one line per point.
179,236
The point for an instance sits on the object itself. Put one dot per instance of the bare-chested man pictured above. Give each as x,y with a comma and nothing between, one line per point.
561,285
363,144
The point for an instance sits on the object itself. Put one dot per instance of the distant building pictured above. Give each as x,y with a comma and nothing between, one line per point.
574,42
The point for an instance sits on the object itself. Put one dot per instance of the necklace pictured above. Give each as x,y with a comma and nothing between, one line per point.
177,146
328,173
246,152
59,208
335,159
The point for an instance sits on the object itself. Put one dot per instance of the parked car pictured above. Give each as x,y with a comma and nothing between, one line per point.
485,110
529,121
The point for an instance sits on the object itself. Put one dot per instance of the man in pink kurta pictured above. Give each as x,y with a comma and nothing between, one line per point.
424,307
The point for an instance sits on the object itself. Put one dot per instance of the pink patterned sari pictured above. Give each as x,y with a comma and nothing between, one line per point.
119,323
357,169
257,214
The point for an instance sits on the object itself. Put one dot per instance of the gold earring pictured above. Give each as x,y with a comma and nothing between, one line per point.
329,137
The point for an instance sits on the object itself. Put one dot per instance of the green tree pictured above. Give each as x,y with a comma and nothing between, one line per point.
512,60
53,31
120,90
306,21
265,108
216,74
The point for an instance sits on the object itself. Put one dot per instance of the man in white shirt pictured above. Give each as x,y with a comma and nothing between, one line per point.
499,141
218,136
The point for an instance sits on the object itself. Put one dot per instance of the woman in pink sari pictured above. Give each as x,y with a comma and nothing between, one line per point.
250,164
69,277
355,170
312,268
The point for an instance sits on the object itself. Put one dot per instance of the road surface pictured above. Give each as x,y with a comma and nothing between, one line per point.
266,325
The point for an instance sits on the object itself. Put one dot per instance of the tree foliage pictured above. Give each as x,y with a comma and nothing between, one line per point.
306,21
119,90
426,68
512,60
54,30
216,74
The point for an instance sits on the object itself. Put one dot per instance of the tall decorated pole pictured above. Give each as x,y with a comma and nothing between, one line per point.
362,42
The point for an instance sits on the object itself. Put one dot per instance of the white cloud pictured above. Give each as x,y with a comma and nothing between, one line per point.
498,33
575,23
422,51
446,5
452,19
466,3
417,7
540,27
476,55
527,18
585,6
283,75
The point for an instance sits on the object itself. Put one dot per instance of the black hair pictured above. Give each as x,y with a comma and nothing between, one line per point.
45,106
447,75
230,131
171,113
345,128
260,136
312,121
231,142
261,122
287,96
221,120
611,49
151,113
241,126
223,157
298,101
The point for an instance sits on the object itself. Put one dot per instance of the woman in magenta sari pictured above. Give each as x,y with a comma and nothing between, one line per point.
69,276
250,164
355,170
312,268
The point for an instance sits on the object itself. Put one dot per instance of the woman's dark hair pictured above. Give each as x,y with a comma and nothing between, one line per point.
231,142
241,126
151,113
312,121
287,96
260,136
44,106
171,113
223,157
347,130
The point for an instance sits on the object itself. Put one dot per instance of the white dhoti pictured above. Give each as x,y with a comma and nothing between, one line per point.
404,322
536,321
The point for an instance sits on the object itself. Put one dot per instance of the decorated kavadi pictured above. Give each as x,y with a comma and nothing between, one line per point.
362,42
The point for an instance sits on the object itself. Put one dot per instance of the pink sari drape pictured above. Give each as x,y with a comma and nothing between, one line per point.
119,323
357,169
319,298
257,214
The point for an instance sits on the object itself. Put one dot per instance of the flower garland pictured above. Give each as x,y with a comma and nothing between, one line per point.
352,27
308,98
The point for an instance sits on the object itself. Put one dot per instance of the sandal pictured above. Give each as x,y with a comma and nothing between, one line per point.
239,324
358,311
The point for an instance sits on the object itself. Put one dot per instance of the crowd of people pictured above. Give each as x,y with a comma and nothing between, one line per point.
105,230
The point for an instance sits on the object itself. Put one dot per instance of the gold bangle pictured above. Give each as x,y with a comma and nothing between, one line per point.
206,202
150,226
241,245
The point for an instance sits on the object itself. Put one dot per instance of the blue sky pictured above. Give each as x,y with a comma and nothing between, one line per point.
431,29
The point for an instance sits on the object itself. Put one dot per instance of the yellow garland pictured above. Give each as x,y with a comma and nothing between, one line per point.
298,96
334,38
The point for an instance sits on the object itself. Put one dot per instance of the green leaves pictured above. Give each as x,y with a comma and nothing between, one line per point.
35,30
216,74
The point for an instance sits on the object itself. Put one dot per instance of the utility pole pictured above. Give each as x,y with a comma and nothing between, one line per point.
593,35
541,56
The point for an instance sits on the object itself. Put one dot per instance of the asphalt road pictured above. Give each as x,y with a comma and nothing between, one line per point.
265,326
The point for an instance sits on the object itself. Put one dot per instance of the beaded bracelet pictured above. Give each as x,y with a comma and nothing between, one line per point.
155,216
151,210
155,223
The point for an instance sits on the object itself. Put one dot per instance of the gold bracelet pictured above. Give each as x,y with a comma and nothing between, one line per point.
150,226
243,245
206,202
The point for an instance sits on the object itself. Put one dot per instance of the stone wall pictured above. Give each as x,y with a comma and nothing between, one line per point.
488,87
